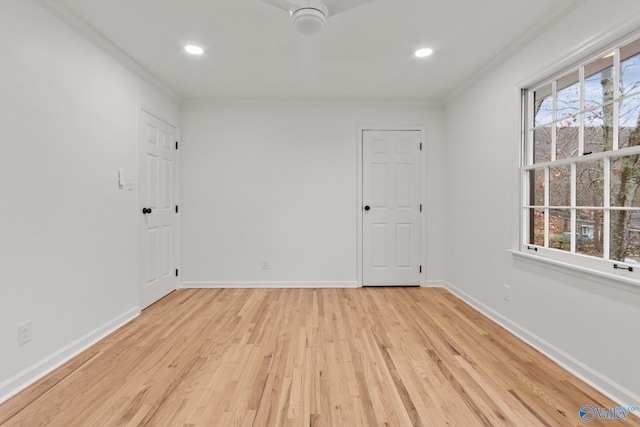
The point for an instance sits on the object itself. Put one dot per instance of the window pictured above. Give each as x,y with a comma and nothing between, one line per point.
581,172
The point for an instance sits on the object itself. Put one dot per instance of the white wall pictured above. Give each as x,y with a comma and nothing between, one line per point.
278,183
588,324
68,235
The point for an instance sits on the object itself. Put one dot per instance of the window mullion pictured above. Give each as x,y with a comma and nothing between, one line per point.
616,97
581,114
607,211
529,129
546,207
574,169
554,125
606,217
524,195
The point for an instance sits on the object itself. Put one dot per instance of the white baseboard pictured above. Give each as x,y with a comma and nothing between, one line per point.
275,285
435,284
33,373
600,382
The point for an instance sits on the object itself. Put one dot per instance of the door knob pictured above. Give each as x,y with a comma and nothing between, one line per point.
366,208
146,210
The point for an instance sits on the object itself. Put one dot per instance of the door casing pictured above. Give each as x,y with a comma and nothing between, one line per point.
359,203
142,112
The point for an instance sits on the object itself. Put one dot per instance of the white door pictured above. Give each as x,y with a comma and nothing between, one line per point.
391,195
157,209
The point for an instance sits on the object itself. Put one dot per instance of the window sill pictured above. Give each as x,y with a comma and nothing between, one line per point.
614,280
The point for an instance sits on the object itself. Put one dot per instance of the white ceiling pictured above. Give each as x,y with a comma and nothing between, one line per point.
366,53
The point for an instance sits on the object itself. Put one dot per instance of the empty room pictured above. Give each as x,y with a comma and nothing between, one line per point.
320,213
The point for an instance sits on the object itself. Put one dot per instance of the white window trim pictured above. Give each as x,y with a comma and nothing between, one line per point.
614,280
577,264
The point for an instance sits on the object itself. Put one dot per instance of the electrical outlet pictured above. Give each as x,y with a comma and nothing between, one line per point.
506,292
265,264
24,332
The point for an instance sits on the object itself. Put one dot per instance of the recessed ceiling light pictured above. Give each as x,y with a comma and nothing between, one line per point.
423,53
194,50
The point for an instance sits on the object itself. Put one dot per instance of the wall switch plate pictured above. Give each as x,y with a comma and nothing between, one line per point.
506,292
24,332
265,264
121,178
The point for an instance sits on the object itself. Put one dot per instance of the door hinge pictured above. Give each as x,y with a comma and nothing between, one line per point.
176,145
420,207
420,269
176,272
177,208
421,146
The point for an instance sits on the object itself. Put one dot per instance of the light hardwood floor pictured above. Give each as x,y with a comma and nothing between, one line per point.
296,357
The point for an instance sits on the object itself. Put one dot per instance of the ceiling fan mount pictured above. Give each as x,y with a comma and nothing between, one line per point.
310,16
308,20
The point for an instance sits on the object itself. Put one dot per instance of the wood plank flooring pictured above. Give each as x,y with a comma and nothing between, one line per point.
301,357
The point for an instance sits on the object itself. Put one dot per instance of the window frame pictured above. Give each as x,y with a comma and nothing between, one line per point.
572,258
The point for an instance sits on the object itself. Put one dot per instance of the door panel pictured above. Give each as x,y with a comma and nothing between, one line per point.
167,185
392,191
167,249
152,182
404,235
379,245
157,189
379,185
151,266
403,186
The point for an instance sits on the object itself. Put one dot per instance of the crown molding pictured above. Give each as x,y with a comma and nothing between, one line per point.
74,21
598,44
313,102
531,33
